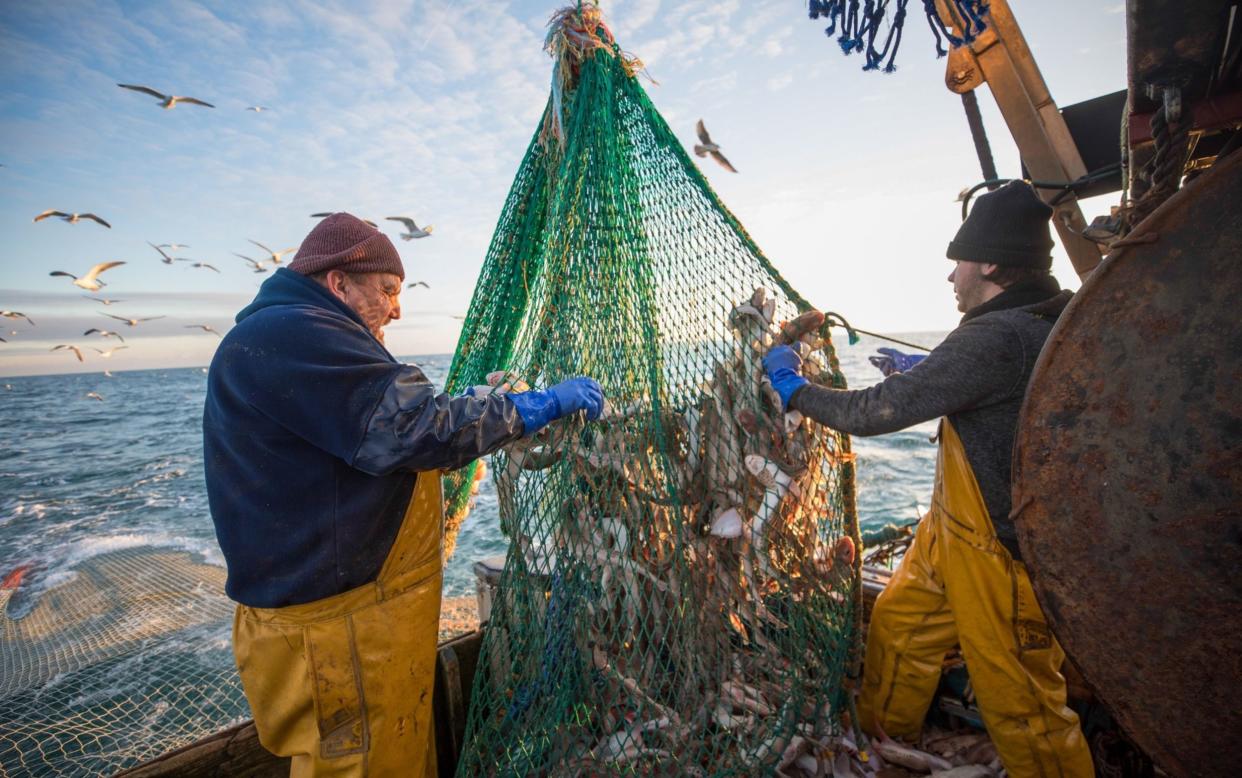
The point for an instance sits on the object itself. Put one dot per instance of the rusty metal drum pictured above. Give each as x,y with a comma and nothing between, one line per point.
1128,479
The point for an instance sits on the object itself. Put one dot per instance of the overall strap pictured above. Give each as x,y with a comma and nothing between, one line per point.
956,497
416,551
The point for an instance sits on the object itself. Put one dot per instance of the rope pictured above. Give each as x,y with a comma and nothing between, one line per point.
967,13
858,27
837,320
1066,187
1124,142
979,135
1164,170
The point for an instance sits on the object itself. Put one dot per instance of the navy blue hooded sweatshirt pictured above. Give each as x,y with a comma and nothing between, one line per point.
313,437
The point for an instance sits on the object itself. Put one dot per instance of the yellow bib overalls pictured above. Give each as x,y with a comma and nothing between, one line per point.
343,684
957,585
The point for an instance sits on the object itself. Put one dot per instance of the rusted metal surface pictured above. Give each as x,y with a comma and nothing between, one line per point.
1128,478
1175,42
1214,113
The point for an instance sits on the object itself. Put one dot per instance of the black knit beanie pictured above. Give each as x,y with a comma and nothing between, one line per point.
1008,227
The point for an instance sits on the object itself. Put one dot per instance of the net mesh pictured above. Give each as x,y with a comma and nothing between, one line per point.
681,592
126,660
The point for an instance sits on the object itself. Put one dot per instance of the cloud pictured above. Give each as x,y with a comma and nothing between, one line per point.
779,82
367,52
717,84
626,18
440,41
690,29
184,17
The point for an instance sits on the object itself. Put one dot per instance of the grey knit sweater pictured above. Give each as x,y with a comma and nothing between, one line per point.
977,377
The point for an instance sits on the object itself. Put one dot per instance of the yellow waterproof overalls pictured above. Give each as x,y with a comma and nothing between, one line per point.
343,684
957,585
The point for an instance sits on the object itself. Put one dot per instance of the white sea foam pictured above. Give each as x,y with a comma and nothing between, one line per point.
37,510
58,569
167,475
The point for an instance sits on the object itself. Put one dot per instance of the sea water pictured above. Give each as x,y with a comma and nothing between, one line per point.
81,477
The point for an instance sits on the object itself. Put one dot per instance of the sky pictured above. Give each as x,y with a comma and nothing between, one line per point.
424,108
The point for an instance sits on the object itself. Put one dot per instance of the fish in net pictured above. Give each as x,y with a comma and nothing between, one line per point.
681,592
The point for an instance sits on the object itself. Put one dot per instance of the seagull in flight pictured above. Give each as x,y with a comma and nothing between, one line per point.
130,322
108,374
104,300
172,246
164,256
104,333
95,395
108,354
413,284
167,101
254,263
329,213
274,256
72,218
77,351
90,282
706,147
16,315
204,264
414,231
258,108
204,328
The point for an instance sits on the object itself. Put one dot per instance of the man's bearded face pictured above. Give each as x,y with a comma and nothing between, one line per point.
375,297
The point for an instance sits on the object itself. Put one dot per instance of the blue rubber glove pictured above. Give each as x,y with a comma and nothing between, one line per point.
784,368
539,408
894,361
579,394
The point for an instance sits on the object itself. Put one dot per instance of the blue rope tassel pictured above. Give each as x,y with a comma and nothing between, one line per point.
858,27
891,43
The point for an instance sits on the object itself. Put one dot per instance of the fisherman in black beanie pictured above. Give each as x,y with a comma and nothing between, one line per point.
1003,250
962,582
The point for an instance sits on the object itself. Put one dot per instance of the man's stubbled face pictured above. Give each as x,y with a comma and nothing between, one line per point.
375,297
968,285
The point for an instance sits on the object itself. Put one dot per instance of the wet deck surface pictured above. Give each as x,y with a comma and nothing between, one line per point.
458,616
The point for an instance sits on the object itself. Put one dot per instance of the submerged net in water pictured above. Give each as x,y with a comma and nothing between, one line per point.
127,659
681,592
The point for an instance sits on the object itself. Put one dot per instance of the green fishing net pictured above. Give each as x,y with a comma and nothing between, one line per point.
681,591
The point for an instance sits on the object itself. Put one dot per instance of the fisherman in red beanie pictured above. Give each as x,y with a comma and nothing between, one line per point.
358,264
323,456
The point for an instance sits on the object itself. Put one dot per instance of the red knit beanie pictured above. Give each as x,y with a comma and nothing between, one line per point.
344,241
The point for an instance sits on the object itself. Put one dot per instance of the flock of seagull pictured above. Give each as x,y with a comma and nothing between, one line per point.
91,280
